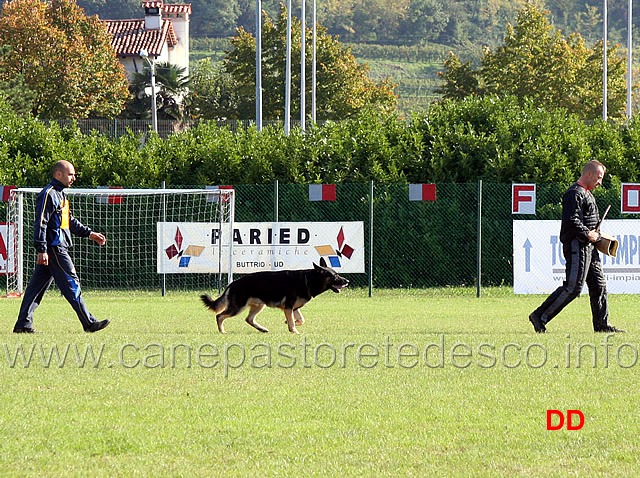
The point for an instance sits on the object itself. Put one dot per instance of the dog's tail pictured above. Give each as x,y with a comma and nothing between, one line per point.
217,305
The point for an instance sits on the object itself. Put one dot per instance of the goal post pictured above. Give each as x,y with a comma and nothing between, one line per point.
135,256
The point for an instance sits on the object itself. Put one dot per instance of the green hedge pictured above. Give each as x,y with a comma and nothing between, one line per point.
457,142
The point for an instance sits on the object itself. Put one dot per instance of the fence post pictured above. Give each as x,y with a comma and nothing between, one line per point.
164,219
370,238
479,254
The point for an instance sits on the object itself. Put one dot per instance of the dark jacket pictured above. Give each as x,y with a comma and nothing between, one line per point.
579,214
54,223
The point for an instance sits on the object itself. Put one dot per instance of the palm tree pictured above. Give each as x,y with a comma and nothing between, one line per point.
172,85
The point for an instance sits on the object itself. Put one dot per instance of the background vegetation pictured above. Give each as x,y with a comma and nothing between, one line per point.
62,59
404,40
497,139
455,23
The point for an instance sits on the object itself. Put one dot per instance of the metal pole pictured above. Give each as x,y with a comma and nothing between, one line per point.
232,215
154,113
604,62
629,55
259,65
154,110
479,253
287,87
313,66
303,31
370,238
220,222
20,244
164,220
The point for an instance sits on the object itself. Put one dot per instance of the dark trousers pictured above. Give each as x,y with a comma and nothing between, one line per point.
61,270
583,265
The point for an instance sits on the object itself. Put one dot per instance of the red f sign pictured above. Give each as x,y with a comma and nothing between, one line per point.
630,198
560,415
523,198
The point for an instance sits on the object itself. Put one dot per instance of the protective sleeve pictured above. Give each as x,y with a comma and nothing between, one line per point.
573,215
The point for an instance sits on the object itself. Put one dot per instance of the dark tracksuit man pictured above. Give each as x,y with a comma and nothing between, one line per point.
578,233
53,227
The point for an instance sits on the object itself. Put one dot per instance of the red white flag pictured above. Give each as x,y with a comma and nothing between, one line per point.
630,198
523,198
422,192
109,198
5,192
322,192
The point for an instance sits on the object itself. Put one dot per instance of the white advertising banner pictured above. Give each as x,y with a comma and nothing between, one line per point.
192,247
539,265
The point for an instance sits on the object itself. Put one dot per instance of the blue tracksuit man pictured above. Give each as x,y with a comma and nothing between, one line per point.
53,227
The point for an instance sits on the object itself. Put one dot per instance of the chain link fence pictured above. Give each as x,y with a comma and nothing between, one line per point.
463,238
464,234
115,128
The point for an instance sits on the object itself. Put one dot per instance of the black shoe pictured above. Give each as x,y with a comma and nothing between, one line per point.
95,326
538,326
25,330
610,328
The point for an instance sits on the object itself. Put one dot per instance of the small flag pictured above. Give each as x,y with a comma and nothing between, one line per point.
5,192
523,198
630,198
214,197
422,192
322,192
110,198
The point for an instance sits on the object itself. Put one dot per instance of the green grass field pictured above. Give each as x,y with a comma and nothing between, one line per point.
422,383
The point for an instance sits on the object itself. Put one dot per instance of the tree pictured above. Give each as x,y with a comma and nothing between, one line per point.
171,88
460,79
226,13
342,84
112,9
14,90
212,91
536,62
426,20
65,57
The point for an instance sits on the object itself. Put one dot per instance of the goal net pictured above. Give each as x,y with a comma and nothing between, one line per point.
157,239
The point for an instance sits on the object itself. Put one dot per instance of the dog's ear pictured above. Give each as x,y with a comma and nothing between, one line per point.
323,263
316,267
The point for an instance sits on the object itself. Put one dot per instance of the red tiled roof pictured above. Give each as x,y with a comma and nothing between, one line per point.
169,7
151,4
128,37
177,8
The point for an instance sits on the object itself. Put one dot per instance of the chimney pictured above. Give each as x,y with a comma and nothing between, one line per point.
152,17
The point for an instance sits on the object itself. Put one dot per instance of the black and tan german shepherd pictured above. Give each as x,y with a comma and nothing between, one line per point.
286,290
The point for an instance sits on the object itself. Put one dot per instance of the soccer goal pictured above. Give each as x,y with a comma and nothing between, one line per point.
157,239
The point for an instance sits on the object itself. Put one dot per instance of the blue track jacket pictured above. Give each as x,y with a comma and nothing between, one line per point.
54,223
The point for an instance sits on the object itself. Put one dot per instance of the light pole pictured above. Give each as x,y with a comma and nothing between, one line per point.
287,76
154,112
259,65
313,65
303,31
605,41
629,58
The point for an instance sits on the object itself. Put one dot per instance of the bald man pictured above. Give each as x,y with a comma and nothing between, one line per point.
578,234
52,232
